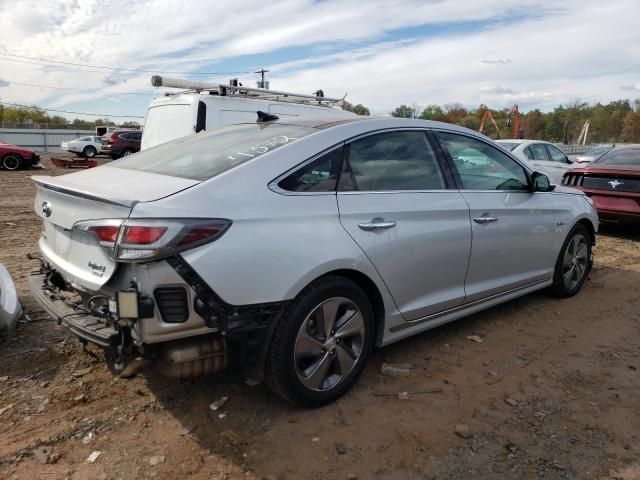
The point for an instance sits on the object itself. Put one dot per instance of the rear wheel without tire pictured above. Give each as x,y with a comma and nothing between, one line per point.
574,262
321,343
89,151
12,162
126,152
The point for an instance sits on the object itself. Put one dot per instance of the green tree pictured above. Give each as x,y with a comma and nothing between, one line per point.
405,111
358,109
433,112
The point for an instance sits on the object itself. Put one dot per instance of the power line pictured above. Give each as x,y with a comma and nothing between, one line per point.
78,90
66,111
134,70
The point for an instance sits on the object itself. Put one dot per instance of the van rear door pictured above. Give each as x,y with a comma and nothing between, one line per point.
166,122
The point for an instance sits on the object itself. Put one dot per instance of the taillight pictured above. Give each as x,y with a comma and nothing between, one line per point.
105,233
142,235
143,240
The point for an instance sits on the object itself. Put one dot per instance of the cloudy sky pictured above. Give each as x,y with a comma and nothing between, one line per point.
100,55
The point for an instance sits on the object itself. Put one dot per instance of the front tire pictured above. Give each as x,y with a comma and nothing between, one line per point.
321,343
574,262
12,162
89,152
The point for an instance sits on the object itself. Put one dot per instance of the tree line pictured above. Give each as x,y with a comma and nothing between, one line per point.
616,121
35,117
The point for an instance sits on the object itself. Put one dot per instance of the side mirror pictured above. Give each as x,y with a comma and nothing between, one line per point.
541,183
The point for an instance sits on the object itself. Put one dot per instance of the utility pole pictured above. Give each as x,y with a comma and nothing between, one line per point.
262,71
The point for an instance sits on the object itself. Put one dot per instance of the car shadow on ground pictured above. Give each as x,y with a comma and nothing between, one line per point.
629,231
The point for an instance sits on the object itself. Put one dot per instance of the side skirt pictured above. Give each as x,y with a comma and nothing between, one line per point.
407,329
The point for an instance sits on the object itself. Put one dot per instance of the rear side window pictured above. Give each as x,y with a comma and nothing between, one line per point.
200,157
392,161
320,175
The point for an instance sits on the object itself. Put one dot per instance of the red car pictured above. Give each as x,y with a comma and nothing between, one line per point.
613,182
121,143
13,157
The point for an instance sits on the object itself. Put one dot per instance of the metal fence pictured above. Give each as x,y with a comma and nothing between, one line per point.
41,139
573,149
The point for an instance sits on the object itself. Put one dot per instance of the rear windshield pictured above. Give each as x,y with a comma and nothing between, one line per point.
622,156
205,155
596,151
508,146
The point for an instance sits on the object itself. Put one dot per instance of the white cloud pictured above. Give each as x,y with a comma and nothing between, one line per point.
558,51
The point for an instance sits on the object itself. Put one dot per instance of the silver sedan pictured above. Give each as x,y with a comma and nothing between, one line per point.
294,247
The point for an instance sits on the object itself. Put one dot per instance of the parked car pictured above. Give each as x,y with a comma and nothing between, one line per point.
592,154
613,183
13,157
10,308
121,143
543,156
294,247
87,147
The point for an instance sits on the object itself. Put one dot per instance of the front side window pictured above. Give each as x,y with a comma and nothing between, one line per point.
392,161
556,154
482,166
319,175
537,152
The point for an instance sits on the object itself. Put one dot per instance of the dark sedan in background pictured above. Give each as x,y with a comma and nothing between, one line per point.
613,182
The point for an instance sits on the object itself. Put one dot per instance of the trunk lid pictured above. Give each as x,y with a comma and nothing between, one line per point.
98,193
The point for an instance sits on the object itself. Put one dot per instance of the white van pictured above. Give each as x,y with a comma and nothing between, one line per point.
210,106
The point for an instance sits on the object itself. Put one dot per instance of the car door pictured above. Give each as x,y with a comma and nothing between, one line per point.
512,227
559,163
395,202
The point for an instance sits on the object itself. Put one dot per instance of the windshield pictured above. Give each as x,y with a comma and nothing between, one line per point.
508,145
596,151
205,155
621,156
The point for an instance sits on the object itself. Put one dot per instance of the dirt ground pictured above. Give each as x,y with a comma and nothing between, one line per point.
552,391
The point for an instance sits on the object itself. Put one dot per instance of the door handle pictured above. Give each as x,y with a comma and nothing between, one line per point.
376,224
485,219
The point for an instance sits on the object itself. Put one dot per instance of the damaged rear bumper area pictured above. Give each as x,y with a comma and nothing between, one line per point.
206,338
80,322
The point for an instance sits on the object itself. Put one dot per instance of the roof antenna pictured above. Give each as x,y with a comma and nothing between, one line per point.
266,117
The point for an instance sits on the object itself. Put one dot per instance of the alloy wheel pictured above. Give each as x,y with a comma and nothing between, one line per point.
574,264
329,344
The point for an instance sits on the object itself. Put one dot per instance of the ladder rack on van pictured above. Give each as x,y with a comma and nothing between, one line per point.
247,92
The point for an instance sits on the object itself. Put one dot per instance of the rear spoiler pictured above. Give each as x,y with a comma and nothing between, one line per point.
58,185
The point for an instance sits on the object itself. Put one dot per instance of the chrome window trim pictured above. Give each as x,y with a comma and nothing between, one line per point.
273,184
